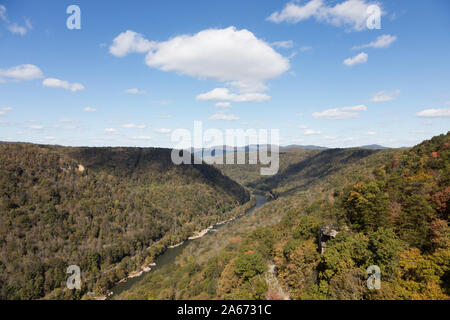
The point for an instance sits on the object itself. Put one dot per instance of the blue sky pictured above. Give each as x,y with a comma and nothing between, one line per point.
137,70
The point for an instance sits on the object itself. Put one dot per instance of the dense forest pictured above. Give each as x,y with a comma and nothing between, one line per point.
110,211
335,213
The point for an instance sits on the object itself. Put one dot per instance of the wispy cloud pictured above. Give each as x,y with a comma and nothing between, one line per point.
62,84
382,41
382,96
134,126
89,109
358,59
223,116
14,27
135,91
162,131
340,113
352,14
283,44
225,94
310,132
434,113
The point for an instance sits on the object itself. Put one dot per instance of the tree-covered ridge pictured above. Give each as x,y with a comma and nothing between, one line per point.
398,220
389,208
104,209
249,174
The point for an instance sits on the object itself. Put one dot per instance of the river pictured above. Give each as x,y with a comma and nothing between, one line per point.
170,254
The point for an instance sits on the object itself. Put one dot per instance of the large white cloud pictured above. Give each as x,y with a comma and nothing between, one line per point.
57,83
358,59
225,94
350,13
234,57
434,113
340,113
21,72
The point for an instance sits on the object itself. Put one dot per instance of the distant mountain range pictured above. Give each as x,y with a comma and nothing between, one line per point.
252,148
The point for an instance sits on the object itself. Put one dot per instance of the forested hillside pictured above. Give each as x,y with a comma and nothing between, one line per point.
108,210
387,208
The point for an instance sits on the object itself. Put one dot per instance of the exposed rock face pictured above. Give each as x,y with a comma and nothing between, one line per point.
326,233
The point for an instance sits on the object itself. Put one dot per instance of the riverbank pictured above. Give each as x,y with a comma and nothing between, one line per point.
169,255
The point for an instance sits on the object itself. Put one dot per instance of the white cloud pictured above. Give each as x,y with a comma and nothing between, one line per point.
371,133
28,24
4,110
294,13
17,29
283,44
57,83
358,59
302,127
222,116
21,72
65,120
89,109
36,127
434,113
141,138
235,57
163,102
3,13
49,138
135,91
110,130
223,104
310,132
382,41
162,130
134,126
305,48
382,96
340,113
128,42
13,27
350,13
224,94
359,107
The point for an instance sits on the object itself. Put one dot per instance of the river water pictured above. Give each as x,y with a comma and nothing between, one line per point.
170,254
